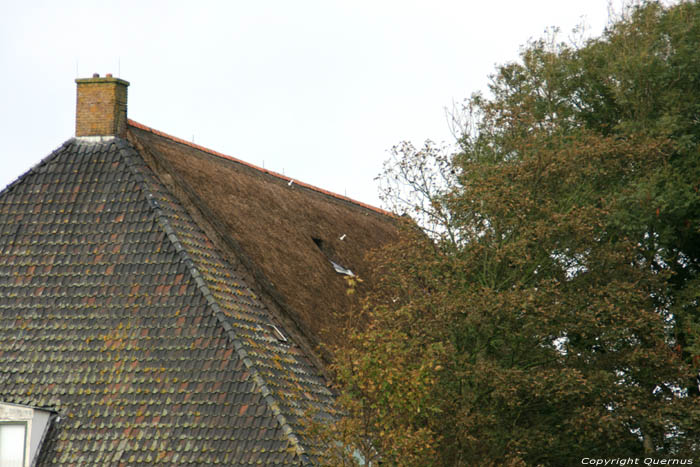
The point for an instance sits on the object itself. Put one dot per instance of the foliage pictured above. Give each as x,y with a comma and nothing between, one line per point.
552,312
416,181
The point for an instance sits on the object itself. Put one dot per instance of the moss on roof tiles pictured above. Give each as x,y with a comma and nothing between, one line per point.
129,346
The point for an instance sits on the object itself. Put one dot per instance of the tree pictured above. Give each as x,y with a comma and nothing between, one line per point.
551,313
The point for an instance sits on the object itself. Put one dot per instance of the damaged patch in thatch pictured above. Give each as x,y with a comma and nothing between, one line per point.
285,234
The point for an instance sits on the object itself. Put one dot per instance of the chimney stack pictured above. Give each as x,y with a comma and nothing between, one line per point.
101,106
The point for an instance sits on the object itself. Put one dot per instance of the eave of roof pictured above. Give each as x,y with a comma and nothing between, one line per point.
261,169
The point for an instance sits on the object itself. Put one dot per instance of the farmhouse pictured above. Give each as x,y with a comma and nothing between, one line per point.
164,303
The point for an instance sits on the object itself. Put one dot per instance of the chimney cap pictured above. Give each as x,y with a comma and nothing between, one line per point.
107,79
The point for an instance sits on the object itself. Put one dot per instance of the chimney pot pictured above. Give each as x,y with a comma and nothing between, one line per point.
101,106
109,75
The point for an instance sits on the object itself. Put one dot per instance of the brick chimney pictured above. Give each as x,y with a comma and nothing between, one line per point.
101,106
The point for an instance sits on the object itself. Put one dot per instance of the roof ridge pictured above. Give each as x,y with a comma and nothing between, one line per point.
127,152
258,168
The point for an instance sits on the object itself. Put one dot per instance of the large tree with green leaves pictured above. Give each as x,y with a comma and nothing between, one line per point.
551,311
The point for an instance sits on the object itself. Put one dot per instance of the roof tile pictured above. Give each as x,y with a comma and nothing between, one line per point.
117,312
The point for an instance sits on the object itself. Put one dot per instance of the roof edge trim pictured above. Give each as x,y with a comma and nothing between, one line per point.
258,168
127,151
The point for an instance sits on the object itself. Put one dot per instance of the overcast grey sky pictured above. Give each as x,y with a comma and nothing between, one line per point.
319,90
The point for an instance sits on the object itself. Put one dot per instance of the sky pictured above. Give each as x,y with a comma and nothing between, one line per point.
317,90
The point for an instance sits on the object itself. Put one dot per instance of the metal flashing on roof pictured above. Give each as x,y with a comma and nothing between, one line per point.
94,139
341,270
278,333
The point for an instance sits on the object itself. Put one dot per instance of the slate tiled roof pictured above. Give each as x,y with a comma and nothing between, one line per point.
118,313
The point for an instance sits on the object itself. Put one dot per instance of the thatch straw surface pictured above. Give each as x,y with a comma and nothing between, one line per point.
269,226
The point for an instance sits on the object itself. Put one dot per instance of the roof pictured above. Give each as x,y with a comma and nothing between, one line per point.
287,233
142,285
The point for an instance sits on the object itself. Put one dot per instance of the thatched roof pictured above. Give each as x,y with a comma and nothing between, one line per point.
285,234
